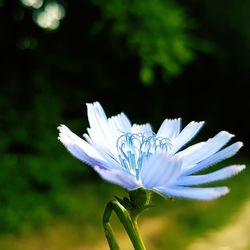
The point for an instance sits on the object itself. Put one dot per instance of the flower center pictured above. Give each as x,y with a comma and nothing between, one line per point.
134,149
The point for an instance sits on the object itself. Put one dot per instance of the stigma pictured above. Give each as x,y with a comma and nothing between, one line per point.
134,149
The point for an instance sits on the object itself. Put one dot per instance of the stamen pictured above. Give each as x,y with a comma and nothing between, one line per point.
133,149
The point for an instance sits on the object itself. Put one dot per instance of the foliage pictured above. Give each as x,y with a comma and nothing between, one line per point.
158,31
33,169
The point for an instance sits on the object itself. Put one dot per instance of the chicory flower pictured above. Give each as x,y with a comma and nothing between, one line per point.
133,156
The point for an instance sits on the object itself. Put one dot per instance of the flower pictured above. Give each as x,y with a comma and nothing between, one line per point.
133,156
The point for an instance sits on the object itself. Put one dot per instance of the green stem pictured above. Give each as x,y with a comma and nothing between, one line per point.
113,245
130,225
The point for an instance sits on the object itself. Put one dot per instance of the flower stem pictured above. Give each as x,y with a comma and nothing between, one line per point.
129,222
113,245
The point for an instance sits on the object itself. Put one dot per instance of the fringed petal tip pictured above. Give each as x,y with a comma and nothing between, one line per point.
238,168
199,124
64,134
226,133
62,128
88,104
216,193
221,191
95,105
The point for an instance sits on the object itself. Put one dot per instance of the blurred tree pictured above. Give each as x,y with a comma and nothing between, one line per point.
157,31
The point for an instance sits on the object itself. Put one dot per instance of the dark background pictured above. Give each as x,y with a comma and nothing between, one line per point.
151,59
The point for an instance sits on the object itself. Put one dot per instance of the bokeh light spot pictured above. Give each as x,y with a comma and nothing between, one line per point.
36,4
50,16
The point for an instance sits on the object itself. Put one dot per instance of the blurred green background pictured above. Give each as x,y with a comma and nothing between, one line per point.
152,60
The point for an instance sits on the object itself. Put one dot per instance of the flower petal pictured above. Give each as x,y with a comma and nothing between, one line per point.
99,130
186,135
219,156
118,177
194,193
160,169
97,117
218,175
92,155
170,128
81,149
144,129
204,150
119,125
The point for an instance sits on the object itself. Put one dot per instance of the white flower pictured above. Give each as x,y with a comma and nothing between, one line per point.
133,156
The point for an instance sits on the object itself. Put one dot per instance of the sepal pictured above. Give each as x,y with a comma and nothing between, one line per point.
140,198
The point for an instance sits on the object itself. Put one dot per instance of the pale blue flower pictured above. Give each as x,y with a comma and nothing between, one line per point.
133,156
